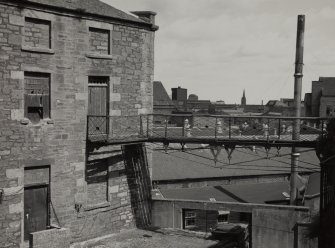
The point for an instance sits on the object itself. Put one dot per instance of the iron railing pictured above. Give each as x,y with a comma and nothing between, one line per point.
208,127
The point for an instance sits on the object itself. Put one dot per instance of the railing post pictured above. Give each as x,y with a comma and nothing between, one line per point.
147,126
107,127
141,126
229,127
183,132
279,128
268,136
87,128
216,126
166,128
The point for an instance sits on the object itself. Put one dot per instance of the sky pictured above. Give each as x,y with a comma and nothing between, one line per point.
218,48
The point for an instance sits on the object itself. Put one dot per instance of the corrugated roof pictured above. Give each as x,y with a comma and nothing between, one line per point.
199,164
250,193
90,6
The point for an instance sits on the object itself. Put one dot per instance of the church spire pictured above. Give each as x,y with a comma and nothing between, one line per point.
243,99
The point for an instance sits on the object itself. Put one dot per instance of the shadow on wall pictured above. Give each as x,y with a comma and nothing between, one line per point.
139,183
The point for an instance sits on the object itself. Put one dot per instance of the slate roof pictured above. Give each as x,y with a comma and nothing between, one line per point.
199,164
161,97
246,193
95,7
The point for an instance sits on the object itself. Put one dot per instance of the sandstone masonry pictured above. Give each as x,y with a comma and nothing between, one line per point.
47,56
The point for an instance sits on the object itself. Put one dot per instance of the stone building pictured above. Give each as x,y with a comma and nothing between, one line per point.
321,101
61,61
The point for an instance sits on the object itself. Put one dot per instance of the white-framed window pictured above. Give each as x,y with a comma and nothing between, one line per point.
189,218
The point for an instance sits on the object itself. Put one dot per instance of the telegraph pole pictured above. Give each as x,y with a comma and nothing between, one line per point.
297,105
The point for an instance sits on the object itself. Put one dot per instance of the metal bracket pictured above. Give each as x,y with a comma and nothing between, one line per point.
215,150
182,146
166,146
229,149
267,150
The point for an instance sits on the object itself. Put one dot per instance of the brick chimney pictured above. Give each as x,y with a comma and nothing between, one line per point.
148,16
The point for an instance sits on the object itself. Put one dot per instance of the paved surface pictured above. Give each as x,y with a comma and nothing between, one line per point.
162,238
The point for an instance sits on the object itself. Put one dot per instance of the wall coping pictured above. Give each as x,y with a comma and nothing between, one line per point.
232,204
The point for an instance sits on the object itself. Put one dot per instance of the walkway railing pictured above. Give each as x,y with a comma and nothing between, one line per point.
202,128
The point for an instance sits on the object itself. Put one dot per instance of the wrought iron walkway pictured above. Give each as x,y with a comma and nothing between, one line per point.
265,131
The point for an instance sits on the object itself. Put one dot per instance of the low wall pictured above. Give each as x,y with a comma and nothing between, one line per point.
272,225
51,238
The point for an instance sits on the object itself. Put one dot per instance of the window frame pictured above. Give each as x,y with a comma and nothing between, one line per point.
46,114
188,217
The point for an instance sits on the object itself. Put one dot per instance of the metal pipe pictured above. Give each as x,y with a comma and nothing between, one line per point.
297,104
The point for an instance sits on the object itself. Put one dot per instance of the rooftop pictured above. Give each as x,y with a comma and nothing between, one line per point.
94,7
244,193
197,162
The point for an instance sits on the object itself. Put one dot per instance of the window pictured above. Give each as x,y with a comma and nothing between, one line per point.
99,41
189,218
97,181
98,105
223,216
36,96
37,33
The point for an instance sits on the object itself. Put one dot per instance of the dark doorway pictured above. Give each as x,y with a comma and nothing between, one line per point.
35,209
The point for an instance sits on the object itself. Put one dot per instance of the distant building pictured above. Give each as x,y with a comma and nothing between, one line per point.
243,99
282,107
193,97
321,101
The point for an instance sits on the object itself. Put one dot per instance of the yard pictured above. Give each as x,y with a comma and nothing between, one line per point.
162,238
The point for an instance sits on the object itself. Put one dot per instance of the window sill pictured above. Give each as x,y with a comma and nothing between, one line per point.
37,50
96,206
26,121
100,56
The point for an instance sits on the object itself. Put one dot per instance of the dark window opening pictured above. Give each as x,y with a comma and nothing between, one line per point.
37,96
223,217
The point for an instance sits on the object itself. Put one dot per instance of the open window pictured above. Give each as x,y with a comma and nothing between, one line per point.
223,216
36,96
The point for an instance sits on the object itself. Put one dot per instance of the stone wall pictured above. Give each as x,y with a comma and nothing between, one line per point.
37,33
99,40
60,141
205,182
272,225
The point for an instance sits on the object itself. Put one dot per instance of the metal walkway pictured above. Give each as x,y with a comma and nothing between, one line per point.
267,131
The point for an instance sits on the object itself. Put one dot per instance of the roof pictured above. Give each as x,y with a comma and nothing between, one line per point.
197,163
246,193
161,97
313,185
95,7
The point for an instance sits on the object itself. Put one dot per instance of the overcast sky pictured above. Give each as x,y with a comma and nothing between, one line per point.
217,48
